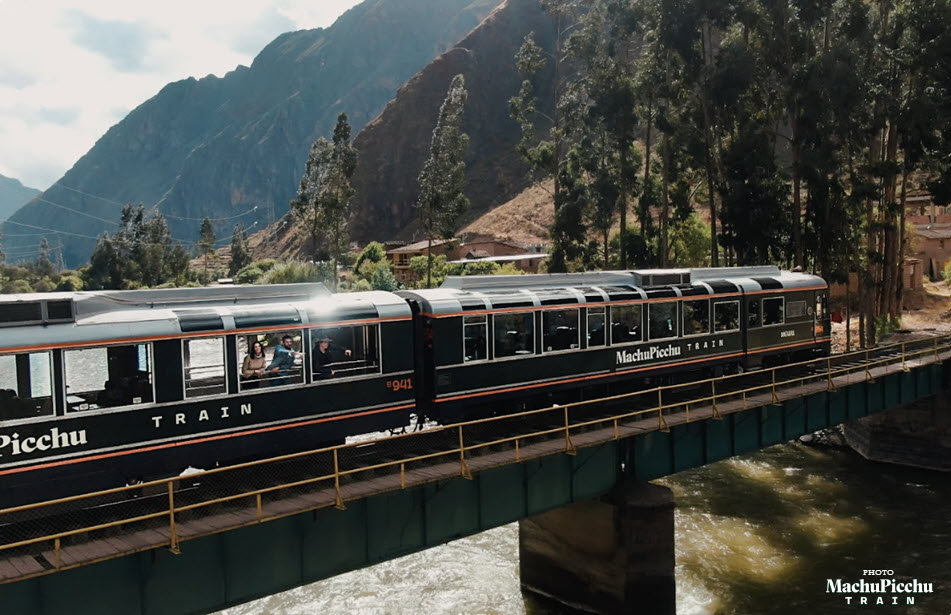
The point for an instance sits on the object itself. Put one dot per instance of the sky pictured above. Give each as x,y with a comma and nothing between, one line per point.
70,70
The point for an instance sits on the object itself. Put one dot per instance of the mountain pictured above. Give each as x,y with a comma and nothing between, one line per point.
13,195
393,147
233,148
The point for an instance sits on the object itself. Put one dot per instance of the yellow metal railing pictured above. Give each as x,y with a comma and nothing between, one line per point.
655,409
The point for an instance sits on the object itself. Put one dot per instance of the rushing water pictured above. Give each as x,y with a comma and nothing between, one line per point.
756,535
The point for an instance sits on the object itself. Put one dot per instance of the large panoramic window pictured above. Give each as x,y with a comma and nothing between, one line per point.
108,377
342,352
726,316
560,329
662,319
204,363
626,324
25,386
265,359
696,317
514,334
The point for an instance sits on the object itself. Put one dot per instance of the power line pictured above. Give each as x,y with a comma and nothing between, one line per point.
155,207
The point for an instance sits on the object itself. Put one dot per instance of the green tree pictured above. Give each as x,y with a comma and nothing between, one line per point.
44,266
383,278
240,253
441,200
3,255
140,253
323,198
206,242
373,252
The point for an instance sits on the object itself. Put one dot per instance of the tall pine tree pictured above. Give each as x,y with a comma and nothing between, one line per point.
441,200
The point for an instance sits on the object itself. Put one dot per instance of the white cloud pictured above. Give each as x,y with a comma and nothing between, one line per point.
69,70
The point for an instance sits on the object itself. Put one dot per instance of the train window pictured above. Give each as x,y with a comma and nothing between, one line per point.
595,326
662,320
274,362
25,386
753,315
514,334
795,309
560,330
773,310
342,352
696,317
108,377
475,335
204,361
726,316
626,324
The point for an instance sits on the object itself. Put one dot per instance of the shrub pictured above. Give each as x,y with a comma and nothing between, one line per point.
70,283
297,272
248,275
383,278
265,264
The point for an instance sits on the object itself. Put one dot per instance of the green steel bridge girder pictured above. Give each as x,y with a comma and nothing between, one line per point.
230,568
220,570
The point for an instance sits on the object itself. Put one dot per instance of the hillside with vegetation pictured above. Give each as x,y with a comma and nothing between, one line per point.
232,149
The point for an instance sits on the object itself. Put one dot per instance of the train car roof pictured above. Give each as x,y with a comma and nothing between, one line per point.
488,292
55,319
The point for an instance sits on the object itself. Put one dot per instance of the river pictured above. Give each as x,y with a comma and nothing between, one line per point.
760,534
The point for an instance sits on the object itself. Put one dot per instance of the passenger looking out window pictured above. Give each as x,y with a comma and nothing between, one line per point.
283,362
253,366
345,351
323,357
288,362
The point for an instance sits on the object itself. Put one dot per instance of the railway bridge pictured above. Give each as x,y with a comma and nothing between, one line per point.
204,541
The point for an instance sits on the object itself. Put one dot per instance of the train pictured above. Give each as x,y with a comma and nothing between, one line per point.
98,389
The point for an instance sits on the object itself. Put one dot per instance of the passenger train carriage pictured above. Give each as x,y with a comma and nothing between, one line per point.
499,339
99,388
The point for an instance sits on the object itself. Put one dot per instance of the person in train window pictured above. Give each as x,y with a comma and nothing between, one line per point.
323,357
253,366
283,361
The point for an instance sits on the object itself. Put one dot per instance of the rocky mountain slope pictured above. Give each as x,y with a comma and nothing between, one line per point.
13,195
233,148
394,146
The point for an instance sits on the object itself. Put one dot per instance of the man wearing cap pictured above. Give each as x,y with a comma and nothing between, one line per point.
323,358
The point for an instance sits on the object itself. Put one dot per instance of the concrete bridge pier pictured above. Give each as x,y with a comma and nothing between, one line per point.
917,434
611,555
